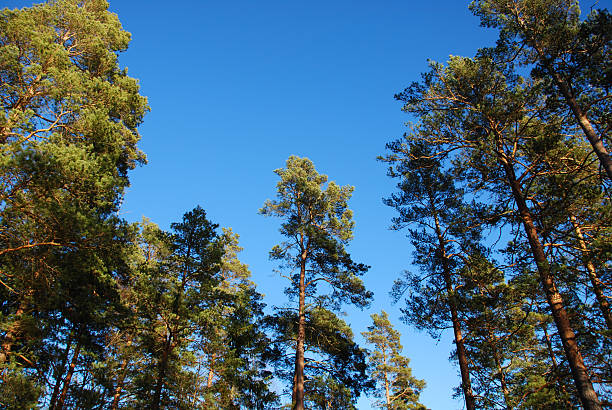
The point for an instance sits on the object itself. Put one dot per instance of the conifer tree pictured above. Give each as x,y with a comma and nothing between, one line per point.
389,368
68,131
492,118
316,224
438,221
232,345
574,56
192,324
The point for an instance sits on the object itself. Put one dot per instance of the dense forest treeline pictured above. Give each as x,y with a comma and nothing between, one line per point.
503,182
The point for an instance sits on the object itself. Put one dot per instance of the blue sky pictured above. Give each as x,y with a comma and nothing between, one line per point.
235,87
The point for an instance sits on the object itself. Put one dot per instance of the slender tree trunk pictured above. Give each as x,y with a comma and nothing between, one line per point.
585,389
298,388
602,300
466,384
570,99
211,374
163,363
387,395
553,359
196,383
120,382
551,352
492,341
73,363
121,379
583,121
59,373
502,377
161,374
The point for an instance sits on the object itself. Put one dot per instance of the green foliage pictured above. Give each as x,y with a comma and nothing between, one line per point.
331,355
317,222
328,393
68,135
191,340
570,55
389,369
19,391
508,142
317,225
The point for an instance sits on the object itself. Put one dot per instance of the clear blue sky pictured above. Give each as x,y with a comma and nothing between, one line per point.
235,87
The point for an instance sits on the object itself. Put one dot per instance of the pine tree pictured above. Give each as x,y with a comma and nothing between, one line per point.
572,55
442,231
389,368
317,224
492,117
191,324
232,346
68,129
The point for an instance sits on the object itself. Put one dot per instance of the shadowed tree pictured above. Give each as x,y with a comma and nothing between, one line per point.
432,208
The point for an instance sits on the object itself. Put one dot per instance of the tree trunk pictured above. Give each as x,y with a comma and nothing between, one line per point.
551,353
602,300
163,363
211,374
119,387
161,374
298,387
73,363
583,121
387,395
502,377
59,373
585,389
121,379
466,384
196,384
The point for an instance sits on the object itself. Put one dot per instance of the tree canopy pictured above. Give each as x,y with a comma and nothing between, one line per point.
502,188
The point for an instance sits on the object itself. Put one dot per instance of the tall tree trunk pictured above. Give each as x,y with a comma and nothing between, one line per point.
387,395
211,373
161,374
196,384
602,300
553,360
121,378
549,346
585,389
502,377
570,99
59,373
73,363
466,384
120,382
298,388
583,121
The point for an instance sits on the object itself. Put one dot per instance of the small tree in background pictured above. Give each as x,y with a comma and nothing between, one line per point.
389,369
